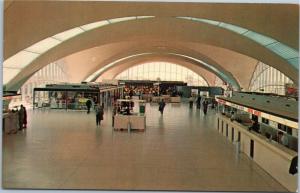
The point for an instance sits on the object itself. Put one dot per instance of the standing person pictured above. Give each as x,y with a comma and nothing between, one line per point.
88,105
114,113
101,113
162,105
191,101
130,93
21,117
25,118
97,111
205,105
199,102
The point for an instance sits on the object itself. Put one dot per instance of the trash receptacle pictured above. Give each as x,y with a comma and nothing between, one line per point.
142,109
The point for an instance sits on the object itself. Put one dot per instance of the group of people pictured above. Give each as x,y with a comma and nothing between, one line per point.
140,90
152,90
199,100
21,118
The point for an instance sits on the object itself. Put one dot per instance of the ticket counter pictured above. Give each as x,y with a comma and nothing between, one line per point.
273,157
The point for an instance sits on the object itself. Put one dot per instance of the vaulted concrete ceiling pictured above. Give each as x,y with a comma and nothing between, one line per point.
26,23
114,71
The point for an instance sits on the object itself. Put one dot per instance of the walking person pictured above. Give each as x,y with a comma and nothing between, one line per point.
99,114
25,118
88,105
191,101
162,105
205,106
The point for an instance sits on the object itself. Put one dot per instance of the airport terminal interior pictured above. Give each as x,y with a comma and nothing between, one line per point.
169,96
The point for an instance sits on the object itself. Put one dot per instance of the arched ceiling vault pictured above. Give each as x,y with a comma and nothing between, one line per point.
228,62
159,48
164,29
171,53
114,71
274,20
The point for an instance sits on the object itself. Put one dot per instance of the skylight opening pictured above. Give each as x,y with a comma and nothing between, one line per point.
26,56
20,60
206,21
283,51
68,34
289,54
9,73
43,46
234,28
261,39
116,20
94,25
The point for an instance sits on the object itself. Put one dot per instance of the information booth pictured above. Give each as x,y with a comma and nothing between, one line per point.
130,115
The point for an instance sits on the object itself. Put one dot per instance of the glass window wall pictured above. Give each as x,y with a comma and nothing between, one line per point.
164,71
269,80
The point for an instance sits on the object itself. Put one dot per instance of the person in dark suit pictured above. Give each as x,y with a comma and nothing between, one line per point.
255,126
294,166
205,106
162,105
198,102
88,105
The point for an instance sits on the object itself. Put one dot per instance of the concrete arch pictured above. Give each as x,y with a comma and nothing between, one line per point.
274,20
150,56
166,51
172,31
114,71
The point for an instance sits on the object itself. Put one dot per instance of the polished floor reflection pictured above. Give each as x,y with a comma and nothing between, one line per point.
180,150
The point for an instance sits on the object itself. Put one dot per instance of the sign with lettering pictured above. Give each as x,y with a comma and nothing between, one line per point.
254,112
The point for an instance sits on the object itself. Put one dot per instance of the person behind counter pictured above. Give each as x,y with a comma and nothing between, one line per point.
254,126
283,139
232,117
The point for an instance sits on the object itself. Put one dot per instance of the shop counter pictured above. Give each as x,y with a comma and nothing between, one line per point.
175,99
10,122
136,121
273,157
147,97
166,98
121,121
155,99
